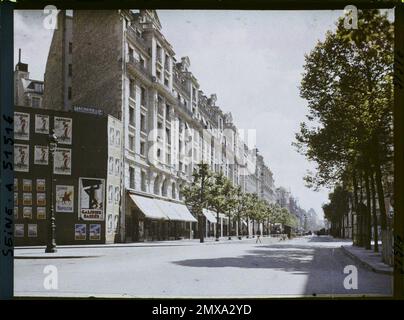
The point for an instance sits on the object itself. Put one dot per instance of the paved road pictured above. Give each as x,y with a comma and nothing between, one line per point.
304,266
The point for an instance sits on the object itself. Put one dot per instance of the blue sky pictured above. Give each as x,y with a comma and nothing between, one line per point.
252,60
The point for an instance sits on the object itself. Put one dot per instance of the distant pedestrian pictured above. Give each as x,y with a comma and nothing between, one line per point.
258,237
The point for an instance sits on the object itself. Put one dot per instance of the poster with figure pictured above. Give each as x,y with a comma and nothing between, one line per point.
15,212
41,123
95,232
27,185
63,161
21,126
32,230
40,213
80,232
41,155
64,198
27,199
15,198
91,198
41,199
19,230
15,184
63,129
27,213
40,185
21,157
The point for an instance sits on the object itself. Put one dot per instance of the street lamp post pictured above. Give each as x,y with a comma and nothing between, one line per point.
51,241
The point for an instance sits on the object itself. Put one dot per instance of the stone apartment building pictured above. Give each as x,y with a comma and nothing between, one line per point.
120,62
27,92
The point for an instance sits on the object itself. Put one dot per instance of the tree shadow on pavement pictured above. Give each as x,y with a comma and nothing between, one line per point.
323,266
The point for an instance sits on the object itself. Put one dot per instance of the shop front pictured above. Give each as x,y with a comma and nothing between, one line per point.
154,219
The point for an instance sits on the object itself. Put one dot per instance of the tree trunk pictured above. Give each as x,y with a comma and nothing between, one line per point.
361,212
217,226
200,227
229,228
253,230
386,243
355,208
368,225
374,213
248,227
239,227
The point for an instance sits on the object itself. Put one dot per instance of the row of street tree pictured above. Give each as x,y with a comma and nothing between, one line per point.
348,84
214,191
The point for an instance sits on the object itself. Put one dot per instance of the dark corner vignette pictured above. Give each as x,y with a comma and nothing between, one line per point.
92,225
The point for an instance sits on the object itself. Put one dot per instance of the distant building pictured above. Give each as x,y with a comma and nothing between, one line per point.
27,92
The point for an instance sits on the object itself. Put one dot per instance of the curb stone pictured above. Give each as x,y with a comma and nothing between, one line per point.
364,263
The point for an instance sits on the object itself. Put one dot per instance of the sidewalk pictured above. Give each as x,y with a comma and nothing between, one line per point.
368,258
97,250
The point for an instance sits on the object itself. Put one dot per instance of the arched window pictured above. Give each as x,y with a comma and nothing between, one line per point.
164,186
156,188
173,191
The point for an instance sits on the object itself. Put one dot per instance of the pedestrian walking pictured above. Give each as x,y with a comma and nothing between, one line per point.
258,236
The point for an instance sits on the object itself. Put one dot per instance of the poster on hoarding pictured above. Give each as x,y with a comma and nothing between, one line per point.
41,199
41,155
41,213
15,212
41,123
64,198
95,232
63,129
21,126
27,213
21,157
15,184
19,230
40,185
63,161
27,199
27,185
15,198
80,232
32,230
91,198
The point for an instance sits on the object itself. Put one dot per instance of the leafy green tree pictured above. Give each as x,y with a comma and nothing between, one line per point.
197,194
220,198
348,86
241,206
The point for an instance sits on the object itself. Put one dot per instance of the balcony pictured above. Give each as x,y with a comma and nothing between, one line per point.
181,85
134,36
184,107
139,67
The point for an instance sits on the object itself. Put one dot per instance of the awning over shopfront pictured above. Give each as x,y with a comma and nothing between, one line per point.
168,210
183,212
154,208
210,215
149,207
